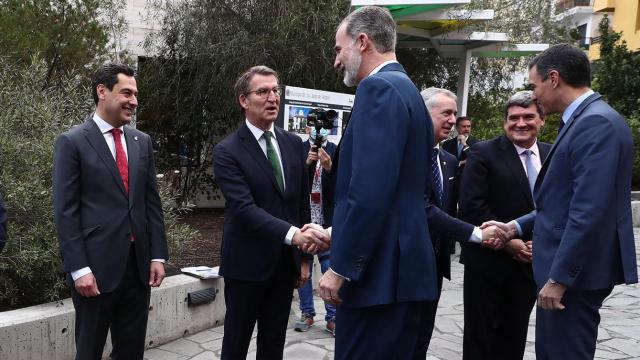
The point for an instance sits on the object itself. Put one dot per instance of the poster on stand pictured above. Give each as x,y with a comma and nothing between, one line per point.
296,103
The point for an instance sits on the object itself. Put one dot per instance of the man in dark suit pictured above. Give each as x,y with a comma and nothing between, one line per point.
382,262
321,187
444,229
499,291
3,224
109,219
261,171
582,230
459,145
383,267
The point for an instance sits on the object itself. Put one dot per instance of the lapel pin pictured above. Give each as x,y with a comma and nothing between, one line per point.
135,138
444,163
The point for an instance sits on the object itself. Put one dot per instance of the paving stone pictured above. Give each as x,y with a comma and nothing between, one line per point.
157,354
207,355
304,351
204,336
618,336
213,345
182,347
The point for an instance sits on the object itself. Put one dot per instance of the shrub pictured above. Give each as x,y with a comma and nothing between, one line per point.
31,118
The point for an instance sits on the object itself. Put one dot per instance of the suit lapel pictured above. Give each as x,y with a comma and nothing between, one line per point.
565,129
133,154
512,160
250,143
285,155
98,143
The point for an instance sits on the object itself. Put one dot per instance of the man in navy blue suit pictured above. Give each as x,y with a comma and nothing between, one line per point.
383,266
582,230
3,224
382,262
261,171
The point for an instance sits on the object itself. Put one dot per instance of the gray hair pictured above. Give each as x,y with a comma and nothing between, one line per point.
377,23
523,99
242,84
429,94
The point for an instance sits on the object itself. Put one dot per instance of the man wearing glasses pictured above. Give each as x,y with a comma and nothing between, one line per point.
261,171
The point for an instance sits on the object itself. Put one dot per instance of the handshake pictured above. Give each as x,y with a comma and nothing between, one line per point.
496,234
312,238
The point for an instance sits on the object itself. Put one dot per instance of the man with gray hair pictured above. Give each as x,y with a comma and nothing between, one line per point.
444,228
383,266
499,291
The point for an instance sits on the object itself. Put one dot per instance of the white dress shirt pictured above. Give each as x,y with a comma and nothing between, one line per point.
535,156
259,135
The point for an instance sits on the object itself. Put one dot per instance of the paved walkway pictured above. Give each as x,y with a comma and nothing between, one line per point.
618,338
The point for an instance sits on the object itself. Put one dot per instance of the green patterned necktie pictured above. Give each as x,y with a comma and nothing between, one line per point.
272,155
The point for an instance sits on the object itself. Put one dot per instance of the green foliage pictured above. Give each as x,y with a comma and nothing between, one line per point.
617,73
30,119
188,101
66,34
617,78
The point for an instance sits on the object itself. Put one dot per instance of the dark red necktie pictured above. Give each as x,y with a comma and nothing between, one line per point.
121,158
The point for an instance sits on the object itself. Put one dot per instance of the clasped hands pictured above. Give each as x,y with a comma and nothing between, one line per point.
496,235
312,238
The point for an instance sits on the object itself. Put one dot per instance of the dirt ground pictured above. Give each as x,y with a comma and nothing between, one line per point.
203,251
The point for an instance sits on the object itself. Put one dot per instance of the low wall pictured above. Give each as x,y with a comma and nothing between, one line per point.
47,331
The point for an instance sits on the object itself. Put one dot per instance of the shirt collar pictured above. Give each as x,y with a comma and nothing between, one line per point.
533,148
377,68
566,115
104,126
257,132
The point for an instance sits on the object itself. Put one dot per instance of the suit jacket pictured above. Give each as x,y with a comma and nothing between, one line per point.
495,187
451,146
3,224
258,215
327,180
444,228
583,230
380,238
95,217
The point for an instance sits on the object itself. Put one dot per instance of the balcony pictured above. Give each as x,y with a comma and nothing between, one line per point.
564,5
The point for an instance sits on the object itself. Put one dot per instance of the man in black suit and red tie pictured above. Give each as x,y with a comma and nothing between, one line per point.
109,219
261,171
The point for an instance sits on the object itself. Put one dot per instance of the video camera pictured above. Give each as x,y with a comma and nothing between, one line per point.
321,119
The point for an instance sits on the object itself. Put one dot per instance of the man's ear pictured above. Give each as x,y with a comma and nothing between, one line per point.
101,90
554,77
244,101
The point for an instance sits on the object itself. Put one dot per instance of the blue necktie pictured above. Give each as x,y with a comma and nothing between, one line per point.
435,175
532,173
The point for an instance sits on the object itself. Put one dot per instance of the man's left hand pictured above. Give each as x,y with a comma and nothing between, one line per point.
304,275
550,295
156,273
330,285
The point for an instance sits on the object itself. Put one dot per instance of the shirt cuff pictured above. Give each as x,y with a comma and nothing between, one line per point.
518,228
288,239
75,275
476,235
159,260
344,277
